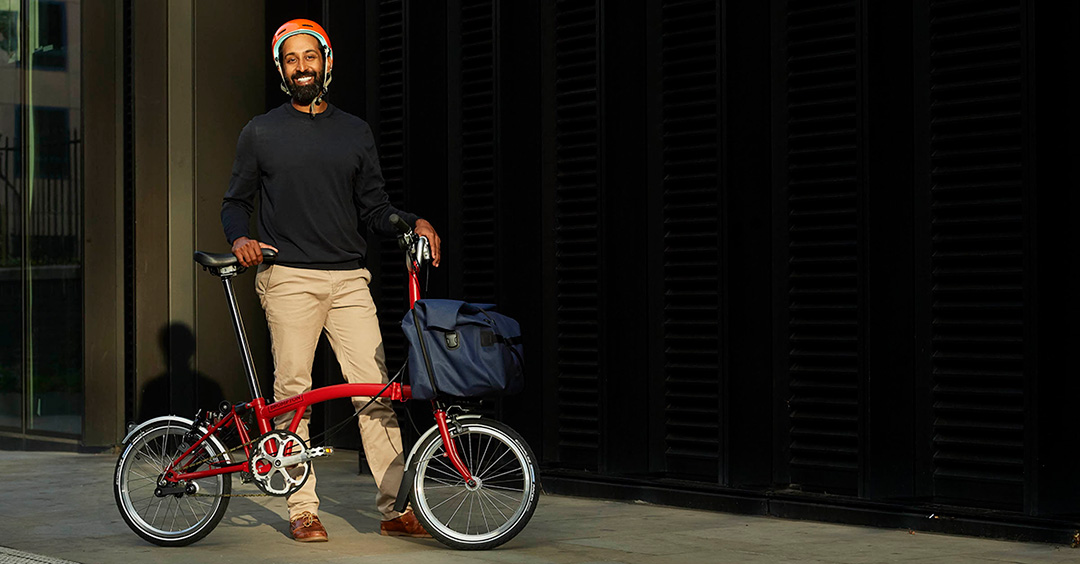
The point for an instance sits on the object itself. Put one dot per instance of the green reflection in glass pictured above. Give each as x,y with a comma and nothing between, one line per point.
53,288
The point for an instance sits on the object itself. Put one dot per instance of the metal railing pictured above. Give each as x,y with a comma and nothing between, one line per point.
53,223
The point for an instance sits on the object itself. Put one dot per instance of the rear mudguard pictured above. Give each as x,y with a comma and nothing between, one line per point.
138,429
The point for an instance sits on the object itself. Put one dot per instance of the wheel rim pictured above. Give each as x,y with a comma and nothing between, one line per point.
481,512
168,517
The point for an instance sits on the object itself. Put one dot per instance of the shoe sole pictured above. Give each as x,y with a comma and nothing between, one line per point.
400,534
311,539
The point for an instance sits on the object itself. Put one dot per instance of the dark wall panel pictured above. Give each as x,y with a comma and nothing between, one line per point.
822,366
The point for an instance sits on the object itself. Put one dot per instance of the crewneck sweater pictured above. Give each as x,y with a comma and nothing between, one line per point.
318,180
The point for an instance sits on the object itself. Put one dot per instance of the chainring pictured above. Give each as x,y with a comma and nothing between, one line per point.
273,465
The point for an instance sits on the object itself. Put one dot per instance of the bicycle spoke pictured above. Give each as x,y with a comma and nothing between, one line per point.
480,465
446,484
484,513
491,498
491,495
496,461
468,519
513,470
488,485
448,499
485,495
143,476
458,508
446,469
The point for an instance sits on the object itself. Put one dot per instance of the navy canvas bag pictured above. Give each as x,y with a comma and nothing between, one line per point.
463,350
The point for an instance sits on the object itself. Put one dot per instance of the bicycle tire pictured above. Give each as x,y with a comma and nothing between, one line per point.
489,514
171,520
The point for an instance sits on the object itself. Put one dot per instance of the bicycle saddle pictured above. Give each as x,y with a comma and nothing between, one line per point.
221,260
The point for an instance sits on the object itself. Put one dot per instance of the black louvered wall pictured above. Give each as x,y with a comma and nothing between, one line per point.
391,144
577,245
691,237
823,281
479,199
977,251
772,246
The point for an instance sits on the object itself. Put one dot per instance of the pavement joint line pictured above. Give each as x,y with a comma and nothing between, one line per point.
12,556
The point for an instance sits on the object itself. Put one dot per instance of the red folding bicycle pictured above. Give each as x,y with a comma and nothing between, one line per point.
472,480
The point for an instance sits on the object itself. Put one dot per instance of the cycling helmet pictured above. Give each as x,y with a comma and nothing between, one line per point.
293,27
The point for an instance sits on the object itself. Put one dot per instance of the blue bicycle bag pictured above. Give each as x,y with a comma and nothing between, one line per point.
463,350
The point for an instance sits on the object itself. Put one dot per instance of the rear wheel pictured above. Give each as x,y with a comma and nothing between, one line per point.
174,519
491,511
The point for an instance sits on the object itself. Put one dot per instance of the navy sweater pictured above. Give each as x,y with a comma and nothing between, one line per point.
317,179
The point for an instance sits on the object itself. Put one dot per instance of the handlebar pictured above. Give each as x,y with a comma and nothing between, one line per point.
400,224
417,248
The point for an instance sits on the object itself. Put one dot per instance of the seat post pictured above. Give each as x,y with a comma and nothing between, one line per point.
241,336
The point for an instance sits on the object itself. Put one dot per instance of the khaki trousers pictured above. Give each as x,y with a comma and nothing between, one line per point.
300,304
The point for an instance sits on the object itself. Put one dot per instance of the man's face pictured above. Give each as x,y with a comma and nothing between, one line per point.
302,65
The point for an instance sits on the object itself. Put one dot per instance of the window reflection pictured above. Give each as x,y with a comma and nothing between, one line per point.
40,217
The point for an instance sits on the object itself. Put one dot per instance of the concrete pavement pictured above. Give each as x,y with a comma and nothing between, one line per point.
60,505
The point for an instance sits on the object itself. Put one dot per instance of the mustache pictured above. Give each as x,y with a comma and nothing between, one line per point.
301,74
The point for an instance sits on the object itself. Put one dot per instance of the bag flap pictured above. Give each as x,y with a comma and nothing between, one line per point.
440,314
445,315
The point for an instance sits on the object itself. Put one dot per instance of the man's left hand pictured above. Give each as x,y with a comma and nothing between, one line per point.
424,229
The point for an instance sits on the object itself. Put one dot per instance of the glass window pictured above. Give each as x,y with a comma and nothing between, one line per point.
11,232
41,380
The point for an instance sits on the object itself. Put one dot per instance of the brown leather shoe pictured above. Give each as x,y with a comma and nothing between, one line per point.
404,526
307,528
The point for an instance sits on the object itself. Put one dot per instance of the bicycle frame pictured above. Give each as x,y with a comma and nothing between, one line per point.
265,413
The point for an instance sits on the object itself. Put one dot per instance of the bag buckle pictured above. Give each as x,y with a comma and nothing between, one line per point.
452,340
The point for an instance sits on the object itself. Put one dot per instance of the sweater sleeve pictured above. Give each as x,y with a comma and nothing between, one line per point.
370,191
239,202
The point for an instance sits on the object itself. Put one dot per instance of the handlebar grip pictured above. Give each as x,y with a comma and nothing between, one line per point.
399,223
269,255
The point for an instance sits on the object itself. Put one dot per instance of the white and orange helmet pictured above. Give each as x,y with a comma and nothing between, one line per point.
294,27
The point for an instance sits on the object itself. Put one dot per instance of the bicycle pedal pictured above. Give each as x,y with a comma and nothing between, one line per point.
318,452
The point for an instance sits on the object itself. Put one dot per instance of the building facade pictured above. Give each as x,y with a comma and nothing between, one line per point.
788,257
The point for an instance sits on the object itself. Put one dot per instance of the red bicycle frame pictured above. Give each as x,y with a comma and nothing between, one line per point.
265,413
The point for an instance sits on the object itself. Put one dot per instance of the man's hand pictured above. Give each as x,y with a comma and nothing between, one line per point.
424,229
249,251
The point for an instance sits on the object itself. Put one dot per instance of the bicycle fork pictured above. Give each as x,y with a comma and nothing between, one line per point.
450,451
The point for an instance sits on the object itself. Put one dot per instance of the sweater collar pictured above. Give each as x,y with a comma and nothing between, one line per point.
297,113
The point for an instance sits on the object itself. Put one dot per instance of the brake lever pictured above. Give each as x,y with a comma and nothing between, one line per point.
423,249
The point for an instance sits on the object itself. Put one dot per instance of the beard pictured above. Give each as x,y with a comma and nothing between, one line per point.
306,93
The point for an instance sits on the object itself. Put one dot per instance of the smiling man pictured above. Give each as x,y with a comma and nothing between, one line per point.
315,171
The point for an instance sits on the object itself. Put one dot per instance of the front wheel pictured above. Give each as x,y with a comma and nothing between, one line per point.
174,519
493,510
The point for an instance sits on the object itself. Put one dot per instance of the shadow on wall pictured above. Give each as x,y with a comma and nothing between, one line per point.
180,390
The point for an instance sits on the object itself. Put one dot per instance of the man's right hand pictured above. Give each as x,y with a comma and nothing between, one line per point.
249,251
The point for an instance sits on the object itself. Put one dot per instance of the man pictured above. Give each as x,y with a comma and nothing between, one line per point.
316,172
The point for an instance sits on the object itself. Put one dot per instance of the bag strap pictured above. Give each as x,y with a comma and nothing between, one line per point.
508,342
423,350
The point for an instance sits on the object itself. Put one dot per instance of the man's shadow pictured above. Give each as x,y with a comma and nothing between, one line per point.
180,390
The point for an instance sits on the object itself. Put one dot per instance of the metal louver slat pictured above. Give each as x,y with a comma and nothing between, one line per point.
691,225
977,258
577,68
391,45
478,149
823,226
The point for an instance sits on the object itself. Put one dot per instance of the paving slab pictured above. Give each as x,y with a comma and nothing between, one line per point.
60,506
